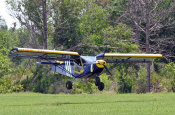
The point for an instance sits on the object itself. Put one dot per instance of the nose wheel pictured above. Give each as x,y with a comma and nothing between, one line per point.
99,84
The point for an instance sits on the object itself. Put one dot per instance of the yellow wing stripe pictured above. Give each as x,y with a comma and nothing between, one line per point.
47,51
133,55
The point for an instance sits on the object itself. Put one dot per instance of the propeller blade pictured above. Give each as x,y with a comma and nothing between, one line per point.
107,70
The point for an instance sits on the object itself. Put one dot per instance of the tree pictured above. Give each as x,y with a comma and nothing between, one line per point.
32,14
93,21
147,17
44,24
150,20
3,25
66,18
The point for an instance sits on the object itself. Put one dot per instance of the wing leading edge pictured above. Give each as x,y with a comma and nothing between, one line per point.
41,53
127,57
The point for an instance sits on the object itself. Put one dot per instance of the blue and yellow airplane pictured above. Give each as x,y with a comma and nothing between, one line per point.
73,65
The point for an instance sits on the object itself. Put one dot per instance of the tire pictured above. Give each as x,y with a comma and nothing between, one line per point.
97,81
69,85
101,86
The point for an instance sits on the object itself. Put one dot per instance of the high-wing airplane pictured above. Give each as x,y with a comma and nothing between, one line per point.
76,66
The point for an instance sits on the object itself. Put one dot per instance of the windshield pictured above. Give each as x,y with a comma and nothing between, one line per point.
89,58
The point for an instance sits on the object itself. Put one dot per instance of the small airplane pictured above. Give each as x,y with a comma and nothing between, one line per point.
76,66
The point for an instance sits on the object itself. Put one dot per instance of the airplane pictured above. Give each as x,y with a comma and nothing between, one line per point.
73,65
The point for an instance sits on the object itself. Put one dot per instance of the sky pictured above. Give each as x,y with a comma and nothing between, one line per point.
4,13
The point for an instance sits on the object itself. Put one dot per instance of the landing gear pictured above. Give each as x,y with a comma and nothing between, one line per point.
101,86
99,83
69,85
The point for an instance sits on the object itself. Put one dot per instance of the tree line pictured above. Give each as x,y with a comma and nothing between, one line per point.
90,27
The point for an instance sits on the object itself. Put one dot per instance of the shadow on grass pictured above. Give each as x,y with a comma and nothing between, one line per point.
81,103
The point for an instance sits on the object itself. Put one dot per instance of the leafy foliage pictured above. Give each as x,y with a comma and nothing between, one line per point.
89,27
8,86
169,72
66,20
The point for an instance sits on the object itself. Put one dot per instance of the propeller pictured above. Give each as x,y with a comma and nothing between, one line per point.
105,65
107,70
101,64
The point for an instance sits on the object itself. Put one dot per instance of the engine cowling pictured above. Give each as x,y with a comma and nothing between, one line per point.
100,63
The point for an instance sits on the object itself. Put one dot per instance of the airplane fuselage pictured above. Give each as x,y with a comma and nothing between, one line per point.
85,67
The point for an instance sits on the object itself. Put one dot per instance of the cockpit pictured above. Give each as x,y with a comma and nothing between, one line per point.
80,61
78,65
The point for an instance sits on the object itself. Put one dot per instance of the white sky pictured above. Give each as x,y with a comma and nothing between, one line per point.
4,13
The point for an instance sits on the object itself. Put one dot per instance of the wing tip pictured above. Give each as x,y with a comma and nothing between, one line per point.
15,48
12,51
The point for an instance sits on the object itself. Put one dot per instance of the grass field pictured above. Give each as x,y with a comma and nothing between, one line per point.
87,104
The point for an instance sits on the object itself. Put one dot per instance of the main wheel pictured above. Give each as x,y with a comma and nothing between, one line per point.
101,86
69,85
97,81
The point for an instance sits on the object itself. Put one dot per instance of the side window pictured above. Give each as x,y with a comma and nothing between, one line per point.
78,61
78,66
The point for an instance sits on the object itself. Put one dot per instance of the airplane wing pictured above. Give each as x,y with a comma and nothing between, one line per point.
127,57
43,54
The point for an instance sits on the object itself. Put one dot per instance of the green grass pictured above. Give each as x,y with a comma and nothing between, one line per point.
87,104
